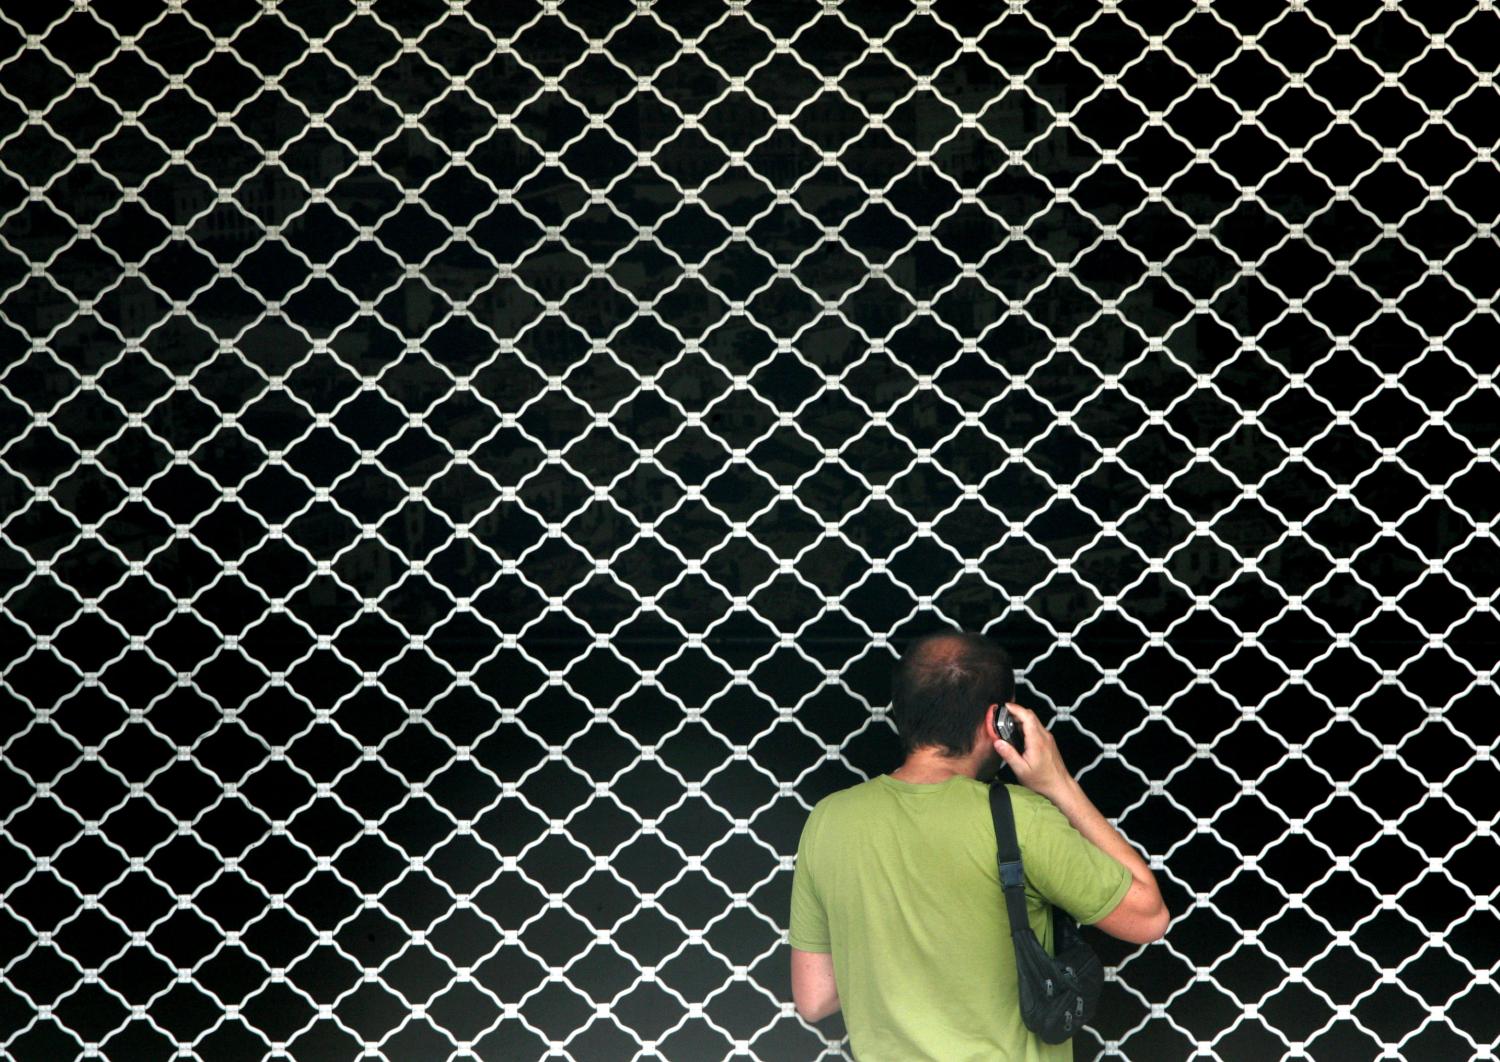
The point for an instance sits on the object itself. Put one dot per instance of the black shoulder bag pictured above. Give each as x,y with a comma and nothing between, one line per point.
1058,993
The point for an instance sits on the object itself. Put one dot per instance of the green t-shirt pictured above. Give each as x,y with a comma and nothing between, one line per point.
899,882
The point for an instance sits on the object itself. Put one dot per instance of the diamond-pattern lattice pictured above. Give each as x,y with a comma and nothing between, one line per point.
465,467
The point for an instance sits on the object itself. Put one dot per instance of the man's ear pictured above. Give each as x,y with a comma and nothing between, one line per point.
991,735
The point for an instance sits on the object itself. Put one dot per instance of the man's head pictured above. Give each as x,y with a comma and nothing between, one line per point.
943,685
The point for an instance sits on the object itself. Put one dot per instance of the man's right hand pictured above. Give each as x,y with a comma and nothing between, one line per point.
1040,768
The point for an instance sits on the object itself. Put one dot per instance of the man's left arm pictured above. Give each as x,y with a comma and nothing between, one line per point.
813,989
814,992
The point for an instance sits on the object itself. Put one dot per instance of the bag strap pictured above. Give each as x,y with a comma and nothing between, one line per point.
1008,856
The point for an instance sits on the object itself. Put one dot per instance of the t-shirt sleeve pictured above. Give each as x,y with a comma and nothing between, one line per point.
1066,868
808,930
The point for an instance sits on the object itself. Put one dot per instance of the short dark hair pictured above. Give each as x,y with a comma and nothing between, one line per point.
942,686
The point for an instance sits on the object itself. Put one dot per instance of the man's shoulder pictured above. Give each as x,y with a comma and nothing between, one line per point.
832,814
1023,799
1032,811
856,795
855,803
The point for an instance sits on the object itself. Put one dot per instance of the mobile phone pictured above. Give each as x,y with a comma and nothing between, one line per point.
1008,729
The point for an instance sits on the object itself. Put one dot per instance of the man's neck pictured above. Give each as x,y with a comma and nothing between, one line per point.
928,766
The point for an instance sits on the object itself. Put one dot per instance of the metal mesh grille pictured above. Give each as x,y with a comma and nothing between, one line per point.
464,468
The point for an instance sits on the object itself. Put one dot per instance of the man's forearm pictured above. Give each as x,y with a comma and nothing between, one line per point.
814,989
1088,820
1141,916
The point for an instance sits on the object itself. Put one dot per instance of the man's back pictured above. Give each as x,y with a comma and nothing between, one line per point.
898,880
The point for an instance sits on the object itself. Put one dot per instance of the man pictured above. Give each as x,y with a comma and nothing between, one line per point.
897,916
